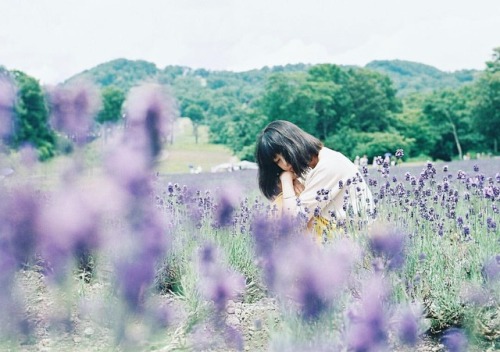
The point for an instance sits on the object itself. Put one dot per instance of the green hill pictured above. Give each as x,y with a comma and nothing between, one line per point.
413,77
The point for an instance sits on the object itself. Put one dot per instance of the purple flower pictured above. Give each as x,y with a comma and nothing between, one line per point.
134,276
315,277
218,283
455,340
399,153
369,321
79,232
408,329
73,108
387,243
7,98
18,223
491,224
226,205
150,111
476,168
491,269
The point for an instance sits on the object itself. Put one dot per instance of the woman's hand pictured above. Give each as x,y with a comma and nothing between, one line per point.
290,185
286,179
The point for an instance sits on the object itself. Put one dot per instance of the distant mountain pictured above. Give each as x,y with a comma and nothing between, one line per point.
125,74
408,77
413,77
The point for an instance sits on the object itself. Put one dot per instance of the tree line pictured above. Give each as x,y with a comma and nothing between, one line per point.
384,106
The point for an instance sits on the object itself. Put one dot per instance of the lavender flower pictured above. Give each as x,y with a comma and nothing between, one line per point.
226,205
387,243
408,325
455,340
369,322
73,108
315,276
149,112
399,153
7,98
218,283
491,269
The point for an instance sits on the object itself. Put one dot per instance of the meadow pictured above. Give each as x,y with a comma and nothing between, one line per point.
108,250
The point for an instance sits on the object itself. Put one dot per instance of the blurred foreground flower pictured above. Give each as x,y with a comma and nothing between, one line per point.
73,108
218,283
387,243
455,340
315,276
368,329
150,110
7,99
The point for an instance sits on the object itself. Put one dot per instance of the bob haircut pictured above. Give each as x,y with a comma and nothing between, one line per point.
295,145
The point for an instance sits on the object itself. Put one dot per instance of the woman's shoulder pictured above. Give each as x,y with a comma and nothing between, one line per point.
327,154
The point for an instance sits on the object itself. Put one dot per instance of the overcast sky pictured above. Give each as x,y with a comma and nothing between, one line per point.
52,40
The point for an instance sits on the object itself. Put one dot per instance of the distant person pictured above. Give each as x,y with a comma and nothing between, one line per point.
363,161
356,161
302,176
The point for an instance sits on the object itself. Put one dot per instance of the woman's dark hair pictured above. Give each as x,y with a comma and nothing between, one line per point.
297,147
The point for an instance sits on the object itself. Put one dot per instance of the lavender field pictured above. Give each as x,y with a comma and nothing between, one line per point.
122,258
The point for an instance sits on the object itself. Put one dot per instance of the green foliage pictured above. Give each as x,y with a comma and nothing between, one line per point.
412,77
121,73
353,143
373,101
112,103
449,112
487,109
31,120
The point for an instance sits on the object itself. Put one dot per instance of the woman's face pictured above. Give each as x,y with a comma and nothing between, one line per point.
282,163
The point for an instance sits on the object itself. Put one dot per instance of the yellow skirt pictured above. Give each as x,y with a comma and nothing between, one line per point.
320,227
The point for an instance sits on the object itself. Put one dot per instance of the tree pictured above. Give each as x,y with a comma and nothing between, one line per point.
332,102
31,118
373,101
487,109
286,99
112,102
450,114
196,115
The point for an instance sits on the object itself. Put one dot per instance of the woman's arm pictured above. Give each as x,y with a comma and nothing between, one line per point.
290,189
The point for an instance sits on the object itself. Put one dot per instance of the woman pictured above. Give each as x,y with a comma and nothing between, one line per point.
304,177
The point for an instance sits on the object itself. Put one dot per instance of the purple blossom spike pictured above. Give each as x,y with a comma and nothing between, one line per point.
73,108
150,110
226,205
369,321
408,325
7,98
388,243
491,269
218,283
316,275
455,340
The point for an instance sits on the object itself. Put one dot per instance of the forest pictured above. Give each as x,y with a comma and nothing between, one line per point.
384,106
